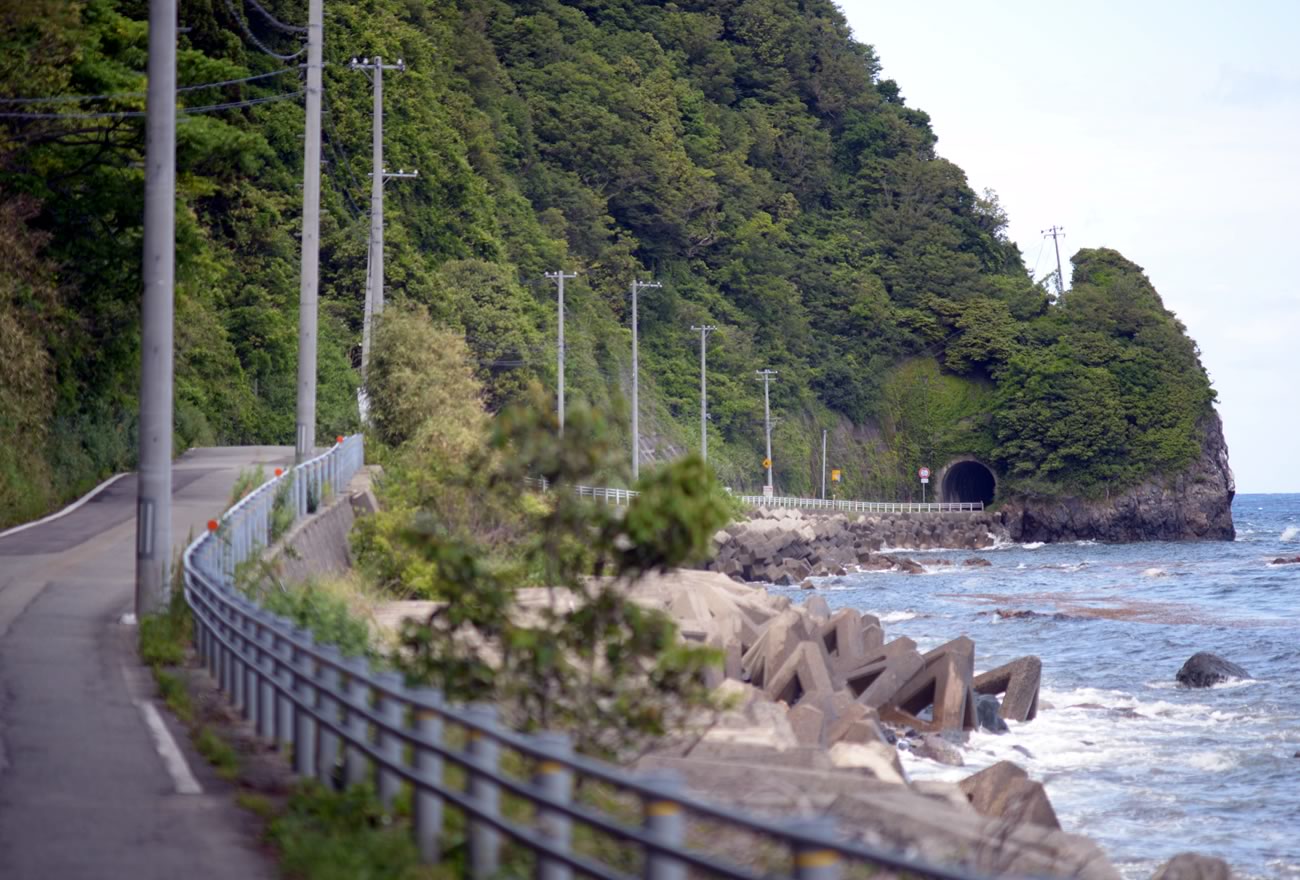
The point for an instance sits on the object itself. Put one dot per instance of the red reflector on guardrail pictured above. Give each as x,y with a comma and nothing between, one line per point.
212,525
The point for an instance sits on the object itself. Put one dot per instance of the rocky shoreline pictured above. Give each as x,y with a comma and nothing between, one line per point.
785,546
820,706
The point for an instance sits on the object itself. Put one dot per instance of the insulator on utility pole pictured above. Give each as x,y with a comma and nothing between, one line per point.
153,545
308,292
704,331
767,427
636,379
559,277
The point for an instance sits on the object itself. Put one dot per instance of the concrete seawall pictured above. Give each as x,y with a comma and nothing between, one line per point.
318,544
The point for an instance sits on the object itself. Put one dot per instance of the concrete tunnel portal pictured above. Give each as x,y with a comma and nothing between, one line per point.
967,481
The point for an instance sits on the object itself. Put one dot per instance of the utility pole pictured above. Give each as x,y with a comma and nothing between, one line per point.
704,331
1057,232
374,305
767,426
153,512
558,277
307,296
636,379
823,464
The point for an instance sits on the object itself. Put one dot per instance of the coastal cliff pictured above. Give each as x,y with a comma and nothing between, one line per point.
1196,504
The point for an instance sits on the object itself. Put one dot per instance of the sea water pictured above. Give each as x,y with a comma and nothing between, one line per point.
1142,766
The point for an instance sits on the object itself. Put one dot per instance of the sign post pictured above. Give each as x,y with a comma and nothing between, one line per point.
924,474
767,487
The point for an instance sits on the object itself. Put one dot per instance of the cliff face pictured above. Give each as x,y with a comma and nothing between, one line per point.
1196,504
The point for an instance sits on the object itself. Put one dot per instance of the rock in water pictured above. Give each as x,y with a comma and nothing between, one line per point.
986,710
1203,669
1190,866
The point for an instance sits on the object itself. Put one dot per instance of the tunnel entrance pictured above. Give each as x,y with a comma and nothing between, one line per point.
968,482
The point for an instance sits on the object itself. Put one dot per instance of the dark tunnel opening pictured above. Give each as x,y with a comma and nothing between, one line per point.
969,481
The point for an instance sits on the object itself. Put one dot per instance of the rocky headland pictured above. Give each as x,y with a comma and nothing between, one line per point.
1193,505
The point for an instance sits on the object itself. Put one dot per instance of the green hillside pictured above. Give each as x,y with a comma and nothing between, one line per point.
746,153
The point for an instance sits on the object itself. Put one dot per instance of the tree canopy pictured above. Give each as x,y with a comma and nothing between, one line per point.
746,153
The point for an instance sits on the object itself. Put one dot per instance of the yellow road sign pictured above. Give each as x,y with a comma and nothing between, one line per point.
767,463
835,475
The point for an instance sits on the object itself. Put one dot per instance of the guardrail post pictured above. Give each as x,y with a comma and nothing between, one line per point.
327,704
284,687
304,729
485,755
817,861
252,686
555,780
356,765
266,662
666,822
426,804
391,709
237,659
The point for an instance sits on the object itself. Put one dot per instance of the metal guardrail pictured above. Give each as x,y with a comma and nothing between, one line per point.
625,496
344,715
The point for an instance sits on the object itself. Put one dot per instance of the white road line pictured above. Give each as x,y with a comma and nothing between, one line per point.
65,511
175,762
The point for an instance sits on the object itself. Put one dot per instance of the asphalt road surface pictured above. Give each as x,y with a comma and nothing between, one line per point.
89,786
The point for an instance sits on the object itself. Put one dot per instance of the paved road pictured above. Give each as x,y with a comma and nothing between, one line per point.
84,791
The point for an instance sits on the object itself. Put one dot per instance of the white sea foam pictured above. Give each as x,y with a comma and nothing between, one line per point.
896,616
1290,533
1032,545
1155,573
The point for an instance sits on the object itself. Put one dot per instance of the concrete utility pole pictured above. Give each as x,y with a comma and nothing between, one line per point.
308,292
378,176
704,331
767,426
558,278
823,464
636,379
1057,232
153,514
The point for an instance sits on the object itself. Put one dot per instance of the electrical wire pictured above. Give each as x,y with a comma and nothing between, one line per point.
126,114
68,99
255,41
275,22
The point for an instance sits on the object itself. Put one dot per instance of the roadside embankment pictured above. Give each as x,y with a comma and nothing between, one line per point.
784,546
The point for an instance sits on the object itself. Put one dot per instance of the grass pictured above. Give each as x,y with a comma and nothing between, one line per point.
218,753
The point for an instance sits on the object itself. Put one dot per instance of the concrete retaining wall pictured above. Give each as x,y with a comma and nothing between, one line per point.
318,544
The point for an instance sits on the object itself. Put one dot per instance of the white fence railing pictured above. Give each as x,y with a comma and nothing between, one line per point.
346,721
625,496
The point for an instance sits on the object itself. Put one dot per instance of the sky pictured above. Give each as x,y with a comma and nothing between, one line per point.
1169,131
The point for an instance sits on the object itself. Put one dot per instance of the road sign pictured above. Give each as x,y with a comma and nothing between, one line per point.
835,475
924,473
767,463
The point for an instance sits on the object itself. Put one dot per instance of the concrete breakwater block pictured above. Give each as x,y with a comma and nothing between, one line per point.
1019,680
818,704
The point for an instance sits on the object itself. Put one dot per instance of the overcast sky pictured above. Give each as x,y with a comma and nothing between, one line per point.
1169,131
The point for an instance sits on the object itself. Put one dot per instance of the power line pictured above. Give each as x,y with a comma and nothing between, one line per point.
275,22
127,114
70,99
255,41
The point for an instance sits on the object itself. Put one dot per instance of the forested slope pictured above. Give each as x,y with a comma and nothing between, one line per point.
746,153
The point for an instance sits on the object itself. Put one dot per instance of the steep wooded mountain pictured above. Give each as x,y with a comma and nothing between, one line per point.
746,153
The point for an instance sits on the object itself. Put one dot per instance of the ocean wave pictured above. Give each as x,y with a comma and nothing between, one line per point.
1290,533
896,616
1032,545
1155,573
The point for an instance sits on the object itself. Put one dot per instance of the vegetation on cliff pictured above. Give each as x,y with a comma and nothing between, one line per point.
746,153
